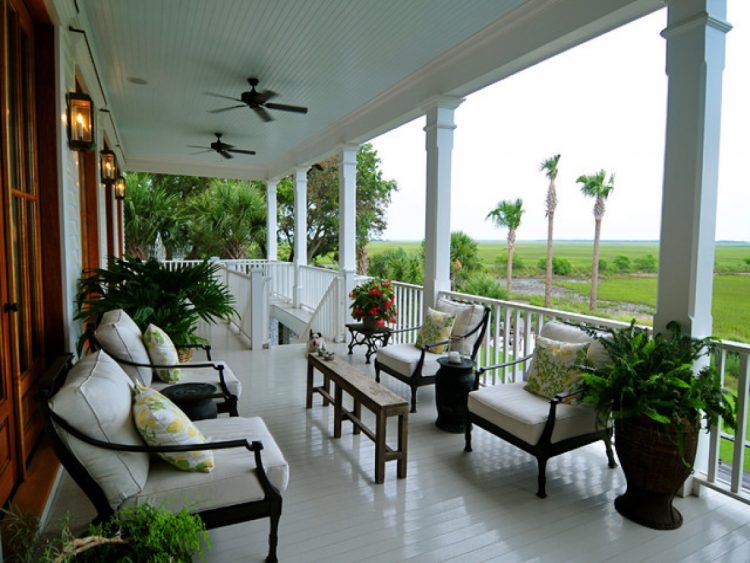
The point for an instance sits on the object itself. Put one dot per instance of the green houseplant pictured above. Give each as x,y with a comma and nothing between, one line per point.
173,299
373,302
656,398
136,533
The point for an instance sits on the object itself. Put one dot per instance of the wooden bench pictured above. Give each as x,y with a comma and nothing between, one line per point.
382,402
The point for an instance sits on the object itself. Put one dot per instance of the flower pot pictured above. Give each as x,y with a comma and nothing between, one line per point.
655,468
369,323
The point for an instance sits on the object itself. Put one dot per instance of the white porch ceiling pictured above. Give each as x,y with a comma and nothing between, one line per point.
361,66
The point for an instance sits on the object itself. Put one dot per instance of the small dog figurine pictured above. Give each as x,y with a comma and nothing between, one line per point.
315,343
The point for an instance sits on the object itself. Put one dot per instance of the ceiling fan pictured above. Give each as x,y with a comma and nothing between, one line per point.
220,147
257,101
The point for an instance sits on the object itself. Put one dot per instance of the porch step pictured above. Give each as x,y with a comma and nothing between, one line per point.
294,318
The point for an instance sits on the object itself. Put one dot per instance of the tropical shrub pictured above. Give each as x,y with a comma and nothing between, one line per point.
645,263
560,266
397,264
484,285
622,264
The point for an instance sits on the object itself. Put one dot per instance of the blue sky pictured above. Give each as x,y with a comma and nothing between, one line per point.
600,105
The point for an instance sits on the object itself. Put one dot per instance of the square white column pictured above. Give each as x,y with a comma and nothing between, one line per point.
347,226
695,37
300,229
271,220
439,146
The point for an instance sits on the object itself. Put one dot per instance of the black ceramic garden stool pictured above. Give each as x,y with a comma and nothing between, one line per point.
453,381
195,399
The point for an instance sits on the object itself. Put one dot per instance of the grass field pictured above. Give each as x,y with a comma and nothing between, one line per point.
731,306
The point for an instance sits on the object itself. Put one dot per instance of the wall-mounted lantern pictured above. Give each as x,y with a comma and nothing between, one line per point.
120,188
108,165
80,122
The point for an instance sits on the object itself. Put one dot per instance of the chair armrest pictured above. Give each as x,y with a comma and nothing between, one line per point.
483,369
560,397
220,445
213,365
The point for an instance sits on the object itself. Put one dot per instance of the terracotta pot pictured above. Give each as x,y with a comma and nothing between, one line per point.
655,468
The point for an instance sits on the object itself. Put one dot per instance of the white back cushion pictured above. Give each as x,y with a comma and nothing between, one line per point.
596,356
467,318
121,338
96,399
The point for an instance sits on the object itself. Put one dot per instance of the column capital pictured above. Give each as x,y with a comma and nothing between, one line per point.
442,102
300,172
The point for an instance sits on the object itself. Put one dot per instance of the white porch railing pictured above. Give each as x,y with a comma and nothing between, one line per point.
328,318
241,286
315,282
280,280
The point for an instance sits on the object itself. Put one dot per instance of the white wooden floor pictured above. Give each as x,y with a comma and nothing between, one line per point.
452,506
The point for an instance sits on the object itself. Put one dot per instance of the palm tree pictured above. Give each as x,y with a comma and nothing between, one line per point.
549,167
508,214
597,187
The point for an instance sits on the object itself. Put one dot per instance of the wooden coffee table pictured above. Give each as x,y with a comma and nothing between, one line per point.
382,402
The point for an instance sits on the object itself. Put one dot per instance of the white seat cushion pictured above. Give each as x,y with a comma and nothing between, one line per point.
467,318
232,481
524,414
403,358
120,337
204,375
96,399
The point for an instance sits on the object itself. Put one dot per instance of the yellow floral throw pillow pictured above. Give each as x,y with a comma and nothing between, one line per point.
162,352
555,367
161,423
436,328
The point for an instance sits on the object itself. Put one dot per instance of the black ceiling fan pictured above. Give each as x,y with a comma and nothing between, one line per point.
221,147
257,101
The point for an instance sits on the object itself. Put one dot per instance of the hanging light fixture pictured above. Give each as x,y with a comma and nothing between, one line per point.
108,166
120,188
80,121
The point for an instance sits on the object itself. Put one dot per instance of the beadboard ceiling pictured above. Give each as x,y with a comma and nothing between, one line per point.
340,58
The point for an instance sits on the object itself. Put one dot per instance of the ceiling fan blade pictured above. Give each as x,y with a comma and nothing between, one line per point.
225,109
200,152
263,114
222,96
225,154
241,151
266,95
285,107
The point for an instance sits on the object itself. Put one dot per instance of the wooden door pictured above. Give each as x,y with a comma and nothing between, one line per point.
22,316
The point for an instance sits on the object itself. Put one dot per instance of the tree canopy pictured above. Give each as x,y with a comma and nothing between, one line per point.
373,197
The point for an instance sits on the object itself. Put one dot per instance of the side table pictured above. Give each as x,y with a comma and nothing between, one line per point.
453,381
362,335
195,399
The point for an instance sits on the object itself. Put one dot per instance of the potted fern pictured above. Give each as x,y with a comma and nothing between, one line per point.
173,299
657,400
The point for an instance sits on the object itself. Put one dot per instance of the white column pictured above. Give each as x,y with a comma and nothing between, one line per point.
271,220
439,144
300,229
347,226
695,37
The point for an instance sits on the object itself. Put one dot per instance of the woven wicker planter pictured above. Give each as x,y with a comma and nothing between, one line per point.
655,469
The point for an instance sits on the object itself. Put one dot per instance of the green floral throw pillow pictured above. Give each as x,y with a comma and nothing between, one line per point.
162,352
436,328
162,423
555,367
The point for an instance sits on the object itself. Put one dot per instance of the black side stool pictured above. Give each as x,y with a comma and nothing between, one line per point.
195,399
453,381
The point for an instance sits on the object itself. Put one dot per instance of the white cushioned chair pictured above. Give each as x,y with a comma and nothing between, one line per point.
417,366
119,336
87,411
543,427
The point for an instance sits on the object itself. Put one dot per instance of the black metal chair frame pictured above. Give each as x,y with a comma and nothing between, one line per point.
416,380
228,402
544,449
269,506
